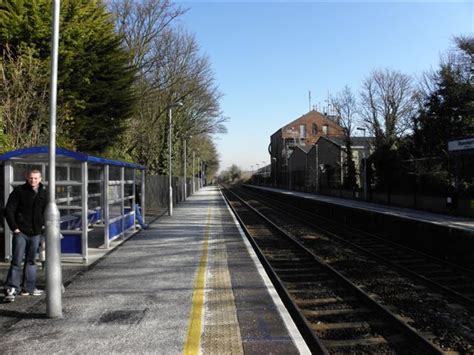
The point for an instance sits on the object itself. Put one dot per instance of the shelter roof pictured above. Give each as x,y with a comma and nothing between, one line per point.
40,154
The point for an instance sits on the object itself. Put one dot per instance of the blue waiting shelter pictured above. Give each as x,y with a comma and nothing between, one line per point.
93,194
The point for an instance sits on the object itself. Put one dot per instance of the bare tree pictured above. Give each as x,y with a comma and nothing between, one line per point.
387,105
345,104
170,70
141,23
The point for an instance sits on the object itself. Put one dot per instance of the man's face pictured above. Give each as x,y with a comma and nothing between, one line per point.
34,179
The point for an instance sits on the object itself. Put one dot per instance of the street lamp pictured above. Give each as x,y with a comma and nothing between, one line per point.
52,216
275,171
170,131
194,186
199,172
364,159
184,170
203,174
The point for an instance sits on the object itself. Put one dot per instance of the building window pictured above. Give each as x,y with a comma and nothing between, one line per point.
325,129
302,131
314,130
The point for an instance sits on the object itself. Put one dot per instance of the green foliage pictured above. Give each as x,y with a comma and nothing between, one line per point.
448,112
95,96
96,76
231,175
170,71
387,165
350,178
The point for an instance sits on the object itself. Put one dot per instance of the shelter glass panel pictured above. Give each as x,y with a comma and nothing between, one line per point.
94,188
94,202
115,210
128,188
61,173
115,173
75,173
21,169
94,173
114,192
128,174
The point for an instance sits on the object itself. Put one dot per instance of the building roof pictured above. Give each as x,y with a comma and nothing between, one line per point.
314,113
39,154
363,142
305,148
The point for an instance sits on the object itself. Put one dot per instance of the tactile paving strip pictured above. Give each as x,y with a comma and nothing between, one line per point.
221,333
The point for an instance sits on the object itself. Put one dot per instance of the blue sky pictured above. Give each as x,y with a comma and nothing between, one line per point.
266,56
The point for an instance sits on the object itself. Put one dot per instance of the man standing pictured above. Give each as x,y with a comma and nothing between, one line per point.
24,213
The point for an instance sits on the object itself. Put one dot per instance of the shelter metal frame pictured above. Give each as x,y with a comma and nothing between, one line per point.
85,195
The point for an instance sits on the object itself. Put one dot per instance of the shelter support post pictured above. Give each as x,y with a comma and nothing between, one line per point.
84,212
106,207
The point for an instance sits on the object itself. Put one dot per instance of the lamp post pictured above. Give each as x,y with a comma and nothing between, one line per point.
275,171
199,173
203,173
184,170
52,217
256,178
364,159
194,186
170,131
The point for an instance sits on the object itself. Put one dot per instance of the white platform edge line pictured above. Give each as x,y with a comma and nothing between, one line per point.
287,320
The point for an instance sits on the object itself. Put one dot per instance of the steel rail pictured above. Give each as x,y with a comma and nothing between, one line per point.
413,333
312,341
454,294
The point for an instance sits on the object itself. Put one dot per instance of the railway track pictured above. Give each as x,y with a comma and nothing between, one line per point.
454,281
335,314
436,311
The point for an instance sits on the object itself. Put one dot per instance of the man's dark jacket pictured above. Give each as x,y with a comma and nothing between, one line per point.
25,209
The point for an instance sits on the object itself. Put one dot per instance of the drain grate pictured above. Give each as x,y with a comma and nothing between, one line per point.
123,316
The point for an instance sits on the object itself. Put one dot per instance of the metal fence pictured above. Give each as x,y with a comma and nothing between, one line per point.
157,192
436,184
448,201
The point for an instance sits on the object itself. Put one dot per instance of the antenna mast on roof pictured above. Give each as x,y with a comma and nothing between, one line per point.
328,109
309,97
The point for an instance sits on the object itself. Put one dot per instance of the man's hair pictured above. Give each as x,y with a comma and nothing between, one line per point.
33,171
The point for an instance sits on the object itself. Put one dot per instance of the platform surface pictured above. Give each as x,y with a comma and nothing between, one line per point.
462,223
188,284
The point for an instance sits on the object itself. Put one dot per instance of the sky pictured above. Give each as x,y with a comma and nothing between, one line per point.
267,56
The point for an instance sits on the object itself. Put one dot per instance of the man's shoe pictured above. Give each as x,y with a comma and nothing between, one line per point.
9,295
35,292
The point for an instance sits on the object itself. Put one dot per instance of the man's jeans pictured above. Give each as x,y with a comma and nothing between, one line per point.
23,246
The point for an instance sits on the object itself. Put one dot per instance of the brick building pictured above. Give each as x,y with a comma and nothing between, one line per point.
302,132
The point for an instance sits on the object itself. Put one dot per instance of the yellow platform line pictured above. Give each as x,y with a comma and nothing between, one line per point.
193,338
